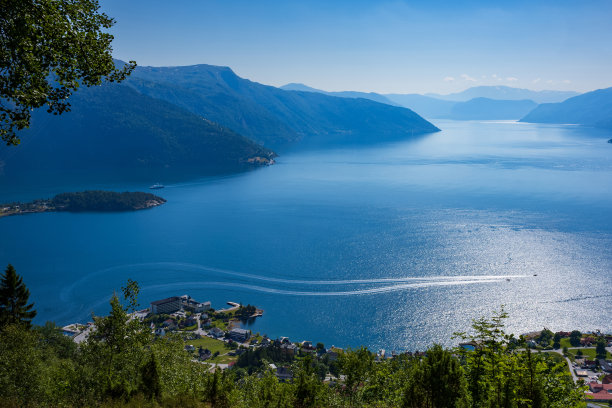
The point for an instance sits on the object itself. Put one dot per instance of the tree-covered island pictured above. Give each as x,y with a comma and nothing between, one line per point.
94,200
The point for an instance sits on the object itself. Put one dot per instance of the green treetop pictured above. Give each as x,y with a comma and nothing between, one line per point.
47,49
14,307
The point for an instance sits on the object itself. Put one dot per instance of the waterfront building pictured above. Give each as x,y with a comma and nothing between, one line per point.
168,305
239,335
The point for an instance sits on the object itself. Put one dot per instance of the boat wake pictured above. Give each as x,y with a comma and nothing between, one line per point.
173,275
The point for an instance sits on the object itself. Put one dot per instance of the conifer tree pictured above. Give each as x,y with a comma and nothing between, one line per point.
14,295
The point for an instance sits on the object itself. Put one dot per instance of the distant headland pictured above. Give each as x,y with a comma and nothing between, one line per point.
94,200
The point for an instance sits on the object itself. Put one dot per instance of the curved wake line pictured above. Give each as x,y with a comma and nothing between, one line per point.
182,266
384,289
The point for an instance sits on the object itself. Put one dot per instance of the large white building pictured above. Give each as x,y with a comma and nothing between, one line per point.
168,305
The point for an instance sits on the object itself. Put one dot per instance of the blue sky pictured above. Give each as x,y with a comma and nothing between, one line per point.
379,46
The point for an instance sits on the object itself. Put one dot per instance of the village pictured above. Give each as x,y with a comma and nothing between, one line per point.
216,338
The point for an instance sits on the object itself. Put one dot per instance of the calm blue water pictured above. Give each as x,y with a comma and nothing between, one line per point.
394,246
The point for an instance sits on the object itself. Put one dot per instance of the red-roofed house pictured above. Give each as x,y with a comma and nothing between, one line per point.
599,392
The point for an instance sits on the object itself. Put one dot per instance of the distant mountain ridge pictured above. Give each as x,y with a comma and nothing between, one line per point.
491,109
505,93
590,109
478,108
373,96
272,116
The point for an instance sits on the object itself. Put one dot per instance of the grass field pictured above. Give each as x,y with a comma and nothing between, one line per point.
212,344
587,353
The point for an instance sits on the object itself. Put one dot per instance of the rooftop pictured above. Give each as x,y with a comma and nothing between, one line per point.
167,300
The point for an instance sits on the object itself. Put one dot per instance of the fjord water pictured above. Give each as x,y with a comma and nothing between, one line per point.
392,246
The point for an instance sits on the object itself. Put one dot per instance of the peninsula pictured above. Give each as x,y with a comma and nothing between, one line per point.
94,200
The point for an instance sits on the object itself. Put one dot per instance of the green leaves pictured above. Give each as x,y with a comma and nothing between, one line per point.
48,48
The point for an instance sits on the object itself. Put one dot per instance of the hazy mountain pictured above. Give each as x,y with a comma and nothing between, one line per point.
591,109
491,109
506,93
273,116
343,94
474,109
424,105
113,127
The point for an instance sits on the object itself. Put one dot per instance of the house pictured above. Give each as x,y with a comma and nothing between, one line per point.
607,379
589,364
332,355
599,392
285,340
71,330
191,304
307,345
288,349
607,367
284,374
586,341
189,347
204,354
216,332
239,335
190,321
168,305
581,373
169,324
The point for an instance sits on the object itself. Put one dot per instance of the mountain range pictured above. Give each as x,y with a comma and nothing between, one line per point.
505,93
199,119
482,103
373,96
272,116
590,109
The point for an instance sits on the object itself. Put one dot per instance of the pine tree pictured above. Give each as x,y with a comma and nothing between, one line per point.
14,295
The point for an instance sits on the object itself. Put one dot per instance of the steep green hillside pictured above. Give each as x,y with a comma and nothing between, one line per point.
115,127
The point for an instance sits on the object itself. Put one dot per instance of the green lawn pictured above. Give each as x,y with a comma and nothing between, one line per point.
213,345
587,353
225,359
565,342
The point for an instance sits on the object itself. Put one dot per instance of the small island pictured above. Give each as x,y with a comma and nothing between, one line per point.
94,200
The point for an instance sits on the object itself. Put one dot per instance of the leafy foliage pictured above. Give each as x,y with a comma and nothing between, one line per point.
575,337
122,364
48,48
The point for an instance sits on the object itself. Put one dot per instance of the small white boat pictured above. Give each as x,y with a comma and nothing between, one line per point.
156,186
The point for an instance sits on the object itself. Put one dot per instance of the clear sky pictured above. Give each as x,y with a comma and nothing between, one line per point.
381,46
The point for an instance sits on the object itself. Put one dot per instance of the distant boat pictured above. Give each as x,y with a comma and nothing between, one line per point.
156,186
508,279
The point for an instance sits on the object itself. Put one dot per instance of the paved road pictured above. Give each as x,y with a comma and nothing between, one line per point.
199,330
